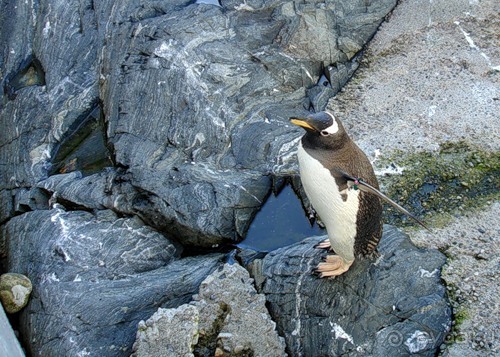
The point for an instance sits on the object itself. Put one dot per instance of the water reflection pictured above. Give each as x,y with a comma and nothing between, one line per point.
280,222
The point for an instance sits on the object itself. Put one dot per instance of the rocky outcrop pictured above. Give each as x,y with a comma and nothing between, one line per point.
176,113
188,101
393,305
226,318
95,277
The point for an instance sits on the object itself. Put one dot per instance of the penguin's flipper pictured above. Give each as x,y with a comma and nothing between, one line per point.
365,187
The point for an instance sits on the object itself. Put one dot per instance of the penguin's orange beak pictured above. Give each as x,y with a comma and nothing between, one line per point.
302,123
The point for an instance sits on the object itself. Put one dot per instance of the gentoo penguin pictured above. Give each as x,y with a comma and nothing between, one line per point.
331,169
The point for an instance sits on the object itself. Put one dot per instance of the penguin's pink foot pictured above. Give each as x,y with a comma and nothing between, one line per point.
333,265
323,244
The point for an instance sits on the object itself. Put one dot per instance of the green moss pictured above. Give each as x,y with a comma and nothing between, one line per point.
460,316
435,186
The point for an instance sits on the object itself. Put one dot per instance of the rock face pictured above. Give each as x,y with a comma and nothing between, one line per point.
226,318
95,278
175,113
188,101
392,306
9,345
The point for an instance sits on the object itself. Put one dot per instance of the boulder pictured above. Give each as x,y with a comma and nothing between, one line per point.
94,278
226,318
78,245
393,305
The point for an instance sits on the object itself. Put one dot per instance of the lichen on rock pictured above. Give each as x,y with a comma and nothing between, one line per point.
435,185
15,290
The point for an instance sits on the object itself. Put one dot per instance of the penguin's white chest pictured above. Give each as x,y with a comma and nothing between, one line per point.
339,216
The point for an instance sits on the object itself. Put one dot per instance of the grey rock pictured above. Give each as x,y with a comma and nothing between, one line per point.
412,92
194,101
233,74
169,332
227,317
473,282
188,101
9,345
78,245
15,290
94,278
394,305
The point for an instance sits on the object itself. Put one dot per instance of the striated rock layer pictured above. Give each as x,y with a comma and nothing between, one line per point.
95,278
393,305
187,101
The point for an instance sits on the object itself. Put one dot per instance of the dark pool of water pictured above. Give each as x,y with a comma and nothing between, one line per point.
280,222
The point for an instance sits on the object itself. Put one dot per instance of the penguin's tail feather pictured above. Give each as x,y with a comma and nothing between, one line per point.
358,183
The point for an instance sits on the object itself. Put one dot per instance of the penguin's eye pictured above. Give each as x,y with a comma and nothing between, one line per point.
324,133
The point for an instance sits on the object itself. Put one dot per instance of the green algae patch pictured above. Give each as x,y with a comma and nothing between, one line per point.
435,186
460,315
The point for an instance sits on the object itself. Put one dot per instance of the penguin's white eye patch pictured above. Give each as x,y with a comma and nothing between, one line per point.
332,129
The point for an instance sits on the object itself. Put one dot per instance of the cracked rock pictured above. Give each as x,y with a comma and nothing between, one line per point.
227,318
394,305
94,278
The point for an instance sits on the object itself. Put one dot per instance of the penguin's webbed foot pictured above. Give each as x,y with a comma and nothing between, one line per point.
323,244
333,265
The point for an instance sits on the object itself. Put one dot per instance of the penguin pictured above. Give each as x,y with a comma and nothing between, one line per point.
331,166
340,182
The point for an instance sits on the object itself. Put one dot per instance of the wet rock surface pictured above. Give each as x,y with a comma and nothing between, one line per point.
393,305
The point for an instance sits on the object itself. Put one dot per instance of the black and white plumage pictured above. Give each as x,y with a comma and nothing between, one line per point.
330,164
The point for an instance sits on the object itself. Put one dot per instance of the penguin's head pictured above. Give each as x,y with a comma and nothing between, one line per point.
322,128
